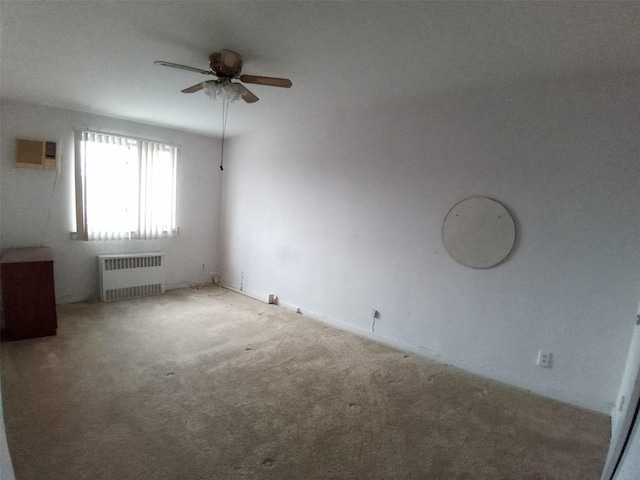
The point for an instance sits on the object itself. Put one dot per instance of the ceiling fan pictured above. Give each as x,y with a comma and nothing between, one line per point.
226,66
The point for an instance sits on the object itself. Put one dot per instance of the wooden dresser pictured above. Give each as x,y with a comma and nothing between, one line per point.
28,293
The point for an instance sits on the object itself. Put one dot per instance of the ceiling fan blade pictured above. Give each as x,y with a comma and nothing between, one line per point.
270,81
195,88
247,95
182,67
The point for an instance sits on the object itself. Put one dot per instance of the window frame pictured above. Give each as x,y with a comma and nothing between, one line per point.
82,231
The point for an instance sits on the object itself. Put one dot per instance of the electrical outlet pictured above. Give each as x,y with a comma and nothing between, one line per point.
545,359
203,266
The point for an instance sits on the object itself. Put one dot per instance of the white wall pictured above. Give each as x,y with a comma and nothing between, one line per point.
343,214
35,214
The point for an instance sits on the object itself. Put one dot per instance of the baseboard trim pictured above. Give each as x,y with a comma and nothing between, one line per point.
67,299
543,390
263,299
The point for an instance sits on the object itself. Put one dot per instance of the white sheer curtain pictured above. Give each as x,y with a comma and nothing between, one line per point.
129,187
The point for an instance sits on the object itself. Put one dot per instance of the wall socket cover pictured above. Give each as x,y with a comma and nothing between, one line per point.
545,359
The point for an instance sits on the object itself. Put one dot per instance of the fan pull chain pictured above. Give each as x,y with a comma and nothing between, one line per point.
225,112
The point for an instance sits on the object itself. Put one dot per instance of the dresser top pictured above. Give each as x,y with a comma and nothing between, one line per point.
22,255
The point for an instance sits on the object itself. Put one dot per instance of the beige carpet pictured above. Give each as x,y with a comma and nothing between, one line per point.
189,386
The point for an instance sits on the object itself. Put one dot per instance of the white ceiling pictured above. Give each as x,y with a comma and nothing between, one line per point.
98,56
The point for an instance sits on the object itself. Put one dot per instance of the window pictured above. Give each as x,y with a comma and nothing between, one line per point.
125,187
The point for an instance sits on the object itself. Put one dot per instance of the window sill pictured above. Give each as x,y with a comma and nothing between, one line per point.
74,236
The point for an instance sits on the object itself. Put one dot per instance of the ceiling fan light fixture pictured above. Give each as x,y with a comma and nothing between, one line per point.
226,66
224,90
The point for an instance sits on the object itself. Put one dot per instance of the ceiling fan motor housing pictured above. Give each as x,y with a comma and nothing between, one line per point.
226,63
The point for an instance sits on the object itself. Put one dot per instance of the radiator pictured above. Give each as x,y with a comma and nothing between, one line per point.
128,275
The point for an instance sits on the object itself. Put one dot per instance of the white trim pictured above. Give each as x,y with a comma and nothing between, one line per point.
263,299
624,412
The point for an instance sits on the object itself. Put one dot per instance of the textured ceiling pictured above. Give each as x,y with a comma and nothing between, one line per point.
98,56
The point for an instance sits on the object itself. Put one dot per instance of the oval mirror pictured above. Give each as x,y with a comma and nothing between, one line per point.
478,232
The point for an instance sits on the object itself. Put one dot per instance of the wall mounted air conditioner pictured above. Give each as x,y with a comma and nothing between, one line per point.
32,153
